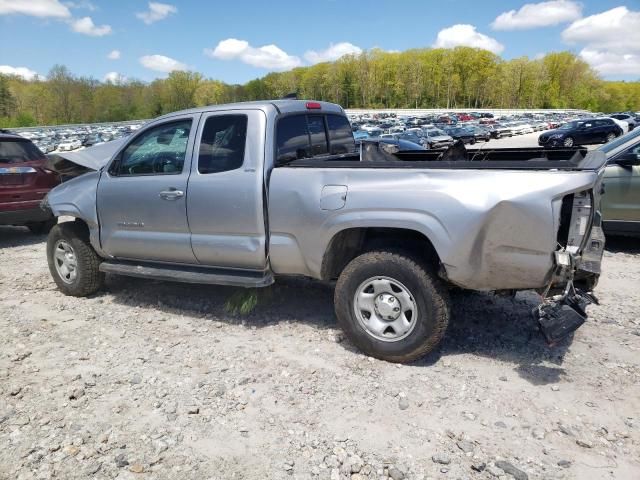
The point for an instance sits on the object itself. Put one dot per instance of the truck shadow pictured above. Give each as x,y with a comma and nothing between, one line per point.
18,236
622,244
481,324
503,329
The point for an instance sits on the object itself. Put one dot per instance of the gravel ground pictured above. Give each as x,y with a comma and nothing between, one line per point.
155,380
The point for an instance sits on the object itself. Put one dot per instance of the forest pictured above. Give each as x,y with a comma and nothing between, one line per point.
463,77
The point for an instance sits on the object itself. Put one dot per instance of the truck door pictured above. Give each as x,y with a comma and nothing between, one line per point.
141,198
225,206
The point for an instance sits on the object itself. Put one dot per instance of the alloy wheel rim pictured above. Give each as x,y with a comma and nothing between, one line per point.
65,260
385,309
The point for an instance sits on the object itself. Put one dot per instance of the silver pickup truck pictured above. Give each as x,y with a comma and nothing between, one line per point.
241,194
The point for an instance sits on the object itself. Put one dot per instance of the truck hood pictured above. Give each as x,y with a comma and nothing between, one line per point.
72,164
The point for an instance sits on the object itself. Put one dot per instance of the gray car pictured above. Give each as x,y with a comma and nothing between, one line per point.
242,194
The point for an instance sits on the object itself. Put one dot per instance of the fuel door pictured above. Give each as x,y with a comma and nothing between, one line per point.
333,197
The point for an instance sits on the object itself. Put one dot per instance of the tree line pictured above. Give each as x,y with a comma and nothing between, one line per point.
421,78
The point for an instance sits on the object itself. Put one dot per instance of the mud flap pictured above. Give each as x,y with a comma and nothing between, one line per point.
560,316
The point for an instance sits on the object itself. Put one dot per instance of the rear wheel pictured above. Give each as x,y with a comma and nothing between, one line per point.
391,306
568,142
73,263
610,136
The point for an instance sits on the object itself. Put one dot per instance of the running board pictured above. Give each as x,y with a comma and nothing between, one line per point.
212,276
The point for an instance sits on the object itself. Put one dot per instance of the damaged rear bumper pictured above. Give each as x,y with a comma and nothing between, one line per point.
578,267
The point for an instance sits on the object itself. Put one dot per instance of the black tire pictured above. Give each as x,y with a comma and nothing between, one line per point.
610,137
88,277
473,141
428,292
40,228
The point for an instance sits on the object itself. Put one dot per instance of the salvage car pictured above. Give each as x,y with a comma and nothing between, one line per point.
581,132
498,130
462,134
244,193
436,138
24,181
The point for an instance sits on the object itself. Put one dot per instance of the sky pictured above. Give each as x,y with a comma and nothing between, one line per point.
236,41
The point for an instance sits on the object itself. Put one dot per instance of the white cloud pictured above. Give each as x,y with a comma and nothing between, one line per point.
610,40
617,30
334,52
157,11
160,63
534,15
87,5
612,64
35,8
466,35
114,55
23,72
115,78
268,56
86,26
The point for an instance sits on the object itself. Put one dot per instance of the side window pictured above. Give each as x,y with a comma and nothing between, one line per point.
222,143
340,135
158,151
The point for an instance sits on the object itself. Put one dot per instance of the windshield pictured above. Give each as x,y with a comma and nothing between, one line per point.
434,132
608,147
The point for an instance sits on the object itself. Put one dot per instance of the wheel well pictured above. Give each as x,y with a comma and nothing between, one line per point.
80,226
348,244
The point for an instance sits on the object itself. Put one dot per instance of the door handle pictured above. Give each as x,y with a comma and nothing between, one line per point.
171,194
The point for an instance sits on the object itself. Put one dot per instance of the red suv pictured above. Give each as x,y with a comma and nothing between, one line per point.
23,183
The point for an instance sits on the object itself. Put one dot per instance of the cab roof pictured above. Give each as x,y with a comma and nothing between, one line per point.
280,106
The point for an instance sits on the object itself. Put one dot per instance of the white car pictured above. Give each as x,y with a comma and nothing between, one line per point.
69,145
624,125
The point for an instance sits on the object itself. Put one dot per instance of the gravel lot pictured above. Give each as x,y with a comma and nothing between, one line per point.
156,380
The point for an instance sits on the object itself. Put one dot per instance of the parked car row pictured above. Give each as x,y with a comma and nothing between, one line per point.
65,139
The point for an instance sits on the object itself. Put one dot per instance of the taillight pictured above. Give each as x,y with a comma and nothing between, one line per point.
313,106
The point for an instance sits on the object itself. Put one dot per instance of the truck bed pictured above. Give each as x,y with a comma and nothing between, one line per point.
378,155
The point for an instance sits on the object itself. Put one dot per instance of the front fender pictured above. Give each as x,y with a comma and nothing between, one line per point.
77,198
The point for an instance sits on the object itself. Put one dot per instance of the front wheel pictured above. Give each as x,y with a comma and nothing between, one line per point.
73,263
568,142
391,306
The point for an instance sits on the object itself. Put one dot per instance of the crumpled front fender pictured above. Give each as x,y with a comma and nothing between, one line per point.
77,198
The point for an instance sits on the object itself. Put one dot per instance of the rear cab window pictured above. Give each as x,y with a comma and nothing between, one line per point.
301,136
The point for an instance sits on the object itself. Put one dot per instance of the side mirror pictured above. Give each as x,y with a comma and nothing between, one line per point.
628,159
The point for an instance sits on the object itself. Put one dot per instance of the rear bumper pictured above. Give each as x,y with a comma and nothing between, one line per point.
25,216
